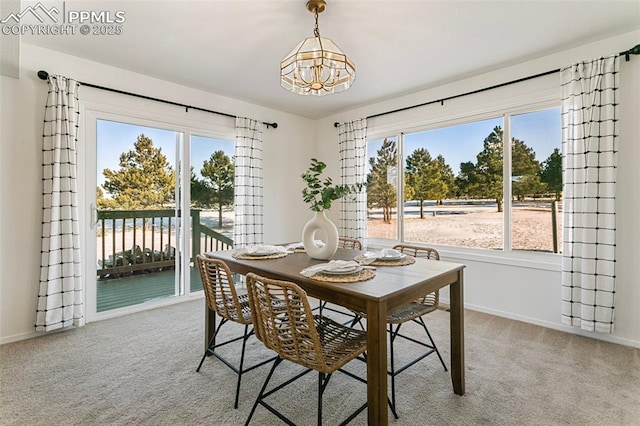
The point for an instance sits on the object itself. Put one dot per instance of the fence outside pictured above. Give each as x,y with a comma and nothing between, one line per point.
132,241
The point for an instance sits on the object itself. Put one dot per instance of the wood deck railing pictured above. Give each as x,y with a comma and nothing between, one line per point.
144,240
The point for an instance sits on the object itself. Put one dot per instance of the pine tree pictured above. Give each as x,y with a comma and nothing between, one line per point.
218,174
447,177
551,173
380,192
145,178
489,169
423,176
484,179
525,170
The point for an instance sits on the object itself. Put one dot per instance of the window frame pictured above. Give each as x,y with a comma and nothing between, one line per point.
460,115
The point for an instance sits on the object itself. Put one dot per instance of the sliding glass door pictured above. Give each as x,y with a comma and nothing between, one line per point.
157,195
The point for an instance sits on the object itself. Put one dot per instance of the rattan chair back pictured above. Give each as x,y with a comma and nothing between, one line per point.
349,243
284,322
431,299
220,291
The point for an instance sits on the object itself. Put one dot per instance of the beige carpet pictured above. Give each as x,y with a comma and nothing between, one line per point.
140,369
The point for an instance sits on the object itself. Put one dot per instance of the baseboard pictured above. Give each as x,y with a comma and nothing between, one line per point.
19,337
108,315
555,326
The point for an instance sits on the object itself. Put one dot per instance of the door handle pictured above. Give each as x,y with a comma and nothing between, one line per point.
93,216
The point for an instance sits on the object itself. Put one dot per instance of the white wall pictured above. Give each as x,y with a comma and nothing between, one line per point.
21,115
519,286
529,291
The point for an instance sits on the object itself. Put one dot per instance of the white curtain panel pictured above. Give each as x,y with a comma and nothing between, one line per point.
60,296
248,201
589,144
352,138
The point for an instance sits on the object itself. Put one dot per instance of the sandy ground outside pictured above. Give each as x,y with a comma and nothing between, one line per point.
479,227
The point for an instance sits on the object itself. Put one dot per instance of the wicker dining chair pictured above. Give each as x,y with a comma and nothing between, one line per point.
410,312
349,243
223,300
284,322
346,243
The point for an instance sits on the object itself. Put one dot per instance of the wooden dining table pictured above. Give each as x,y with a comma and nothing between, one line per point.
389,289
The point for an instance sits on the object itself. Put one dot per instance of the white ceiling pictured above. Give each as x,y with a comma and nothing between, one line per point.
233,48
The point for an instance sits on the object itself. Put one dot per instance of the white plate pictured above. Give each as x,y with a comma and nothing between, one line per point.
393,257
260,254
344,271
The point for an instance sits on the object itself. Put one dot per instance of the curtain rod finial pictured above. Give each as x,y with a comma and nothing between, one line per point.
635,50
43,75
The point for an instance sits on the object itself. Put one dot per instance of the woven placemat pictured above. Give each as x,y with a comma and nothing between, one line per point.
249,257
365,274
407,260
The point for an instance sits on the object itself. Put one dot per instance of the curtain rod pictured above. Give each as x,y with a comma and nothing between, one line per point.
633,51
43,75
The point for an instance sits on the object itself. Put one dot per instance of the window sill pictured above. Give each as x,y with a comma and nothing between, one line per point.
517,258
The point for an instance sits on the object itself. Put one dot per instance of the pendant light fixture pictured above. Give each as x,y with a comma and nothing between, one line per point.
316,66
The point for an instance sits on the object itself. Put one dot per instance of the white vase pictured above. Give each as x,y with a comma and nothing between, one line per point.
321,223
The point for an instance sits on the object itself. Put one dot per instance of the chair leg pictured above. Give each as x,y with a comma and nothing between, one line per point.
356,320
320,389
264,387
205,353
433,343
240,368
323,381
392,337
212,341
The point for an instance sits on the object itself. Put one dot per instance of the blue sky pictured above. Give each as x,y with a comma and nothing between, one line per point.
203,147
540,130
115,138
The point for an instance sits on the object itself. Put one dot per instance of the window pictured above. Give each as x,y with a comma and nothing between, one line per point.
451,183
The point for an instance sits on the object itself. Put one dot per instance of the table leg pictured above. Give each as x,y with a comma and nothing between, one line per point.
377,363
457,334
